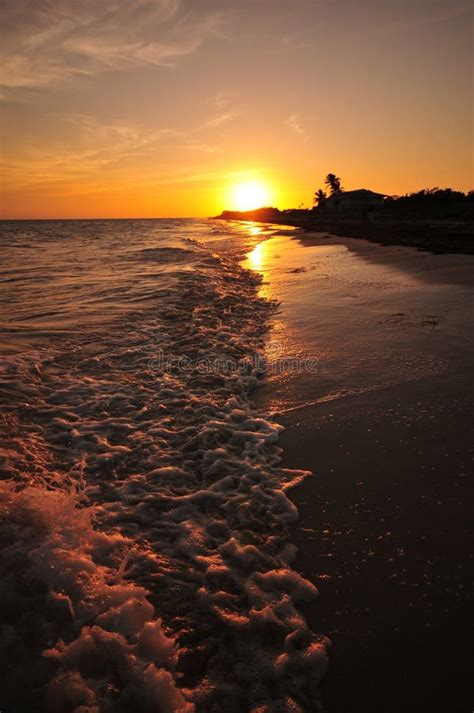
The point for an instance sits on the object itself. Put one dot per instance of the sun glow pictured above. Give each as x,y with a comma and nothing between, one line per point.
250,195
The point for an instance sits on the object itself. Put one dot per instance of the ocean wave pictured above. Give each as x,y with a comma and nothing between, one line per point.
145,514
61,581
162,255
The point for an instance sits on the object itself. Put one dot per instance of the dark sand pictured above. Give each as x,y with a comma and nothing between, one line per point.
436,236
385,425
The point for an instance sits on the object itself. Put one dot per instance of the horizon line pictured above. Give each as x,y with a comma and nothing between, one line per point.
163,217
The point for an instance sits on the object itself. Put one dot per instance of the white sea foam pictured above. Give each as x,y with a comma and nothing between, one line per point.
146,547
60,585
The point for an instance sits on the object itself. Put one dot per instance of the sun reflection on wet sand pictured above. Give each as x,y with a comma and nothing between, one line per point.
349,311
260,256
256,257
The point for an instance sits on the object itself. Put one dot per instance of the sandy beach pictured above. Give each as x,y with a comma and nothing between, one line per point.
383,421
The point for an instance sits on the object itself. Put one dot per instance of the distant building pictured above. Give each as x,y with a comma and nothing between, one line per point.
358,204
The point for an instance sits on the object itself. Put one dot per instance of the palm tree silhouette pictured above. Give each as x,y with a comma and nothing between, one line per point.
333,182
320,197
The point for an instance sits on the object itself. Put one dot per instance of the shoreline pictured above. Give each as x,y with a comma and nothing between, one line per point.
437,237
384,426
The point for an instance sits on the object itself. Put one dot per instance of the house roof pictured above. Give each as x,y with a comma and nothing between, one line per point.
362,193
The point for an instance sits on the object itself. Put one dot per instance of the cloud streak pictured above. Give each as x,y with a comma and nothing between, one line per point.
46,42
117,149
294,122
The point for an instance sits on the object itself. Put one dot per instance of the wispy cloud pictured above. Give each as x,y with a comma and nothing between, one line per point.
79,173
219,119
118,149
425,17
295,123
221,100
223,110
45,42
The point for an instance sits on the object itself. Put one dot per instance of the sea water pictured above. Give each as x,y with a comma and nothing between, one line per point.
145,560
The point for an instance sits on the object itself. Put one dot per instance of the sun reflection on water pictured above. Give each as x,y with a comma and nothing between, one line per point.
259,259
257,256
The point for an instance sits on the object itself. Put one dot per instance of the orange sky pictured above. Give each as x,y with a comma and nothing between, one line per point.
162,107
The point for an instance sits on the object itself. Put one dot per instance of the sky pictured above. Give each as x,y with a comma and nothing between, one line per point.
144,108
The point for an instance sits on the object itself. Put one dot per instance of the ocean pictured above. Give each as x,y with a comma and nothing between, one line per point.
145,554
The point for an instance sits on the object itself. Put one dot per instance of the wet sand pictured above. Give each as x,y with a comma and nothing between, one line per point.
432,235
384,423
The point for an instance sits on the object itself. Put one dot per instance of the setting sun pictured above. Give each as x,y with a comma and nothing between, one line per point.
249,195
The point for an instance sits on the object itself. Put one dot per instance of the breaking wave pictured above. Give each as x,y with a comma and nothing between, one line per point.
145,558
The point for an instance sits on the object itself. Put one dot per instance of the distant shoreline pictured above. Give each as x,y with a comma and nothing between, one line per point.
431,236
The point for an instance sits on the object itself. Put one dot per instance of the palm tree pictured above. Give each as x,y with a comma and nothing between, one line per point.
333,182
320,198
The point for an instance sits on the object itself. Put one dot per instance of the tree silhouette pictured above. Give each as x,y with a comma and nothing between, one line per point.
333,182
320,197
